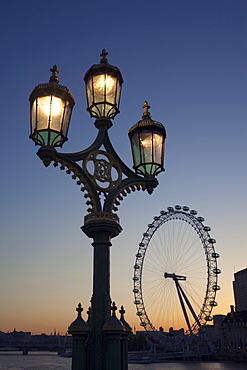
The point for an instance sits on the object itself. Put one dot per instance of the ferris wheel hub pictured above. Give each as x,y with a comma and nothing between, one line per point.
174,276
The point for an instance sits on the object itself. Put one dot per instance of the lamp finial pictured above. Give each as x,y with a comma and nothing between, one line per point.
103,55
54,72
146,107
79,309
122,312
89,312
113,308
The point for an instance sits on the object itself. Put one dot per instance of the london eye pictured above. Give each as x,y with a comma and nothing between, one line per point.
176,273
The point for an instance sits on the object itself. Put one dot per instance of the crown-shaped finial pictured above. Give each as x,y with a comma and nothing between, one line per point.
54,72
146,107
103,55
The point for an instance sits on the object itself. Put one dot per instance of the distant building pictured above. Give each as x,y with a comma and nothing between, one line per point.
213,331
176,333
18,336
240,290
171,332
234,331
234,326
39,342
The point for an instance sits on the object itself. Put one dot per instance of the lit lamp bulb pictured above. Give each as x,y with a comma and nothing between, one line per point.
50,105
50,112
151,147
157,145
103,82
104,88
146,146
146,140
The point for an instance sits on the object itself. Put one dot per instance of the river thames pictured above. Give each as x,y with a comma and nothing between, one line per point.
51,361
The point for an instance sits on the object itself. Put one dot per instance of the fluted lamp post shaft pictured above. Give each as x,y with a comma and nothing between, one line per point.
51,108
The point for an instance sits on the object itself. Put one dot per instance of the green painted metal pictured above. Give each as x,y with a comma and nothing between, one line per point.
79,330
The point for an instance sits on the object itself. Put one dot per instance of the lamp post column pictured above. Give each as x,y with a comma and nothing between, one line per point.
101,231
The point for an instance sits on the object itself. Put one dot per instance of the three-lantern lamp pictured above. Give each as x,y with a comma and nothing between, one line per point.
51,107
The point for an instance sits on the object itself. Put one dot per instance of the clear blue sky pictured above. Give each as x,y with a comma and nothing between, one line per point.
188,59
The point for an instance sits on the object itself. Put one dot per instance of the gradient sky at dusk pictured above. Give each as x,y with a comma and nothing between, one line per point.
188,59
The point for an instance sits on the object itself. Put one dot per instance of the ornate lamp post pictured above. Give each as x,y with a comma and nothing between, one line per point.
51,107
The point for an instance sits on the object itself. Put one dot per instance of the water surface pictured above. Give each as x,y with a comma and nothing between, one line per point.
50,361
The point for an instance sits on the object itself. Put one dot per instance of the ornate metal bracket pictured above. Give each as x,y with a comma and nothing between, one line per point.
99,172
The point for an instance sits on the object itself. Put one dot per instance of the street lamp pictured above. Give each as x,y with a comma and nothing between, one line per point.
51,108
147,141
103,87
98,170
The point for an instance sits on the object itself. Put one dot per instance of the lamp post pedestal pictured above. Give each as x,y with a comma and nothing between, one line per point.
101,231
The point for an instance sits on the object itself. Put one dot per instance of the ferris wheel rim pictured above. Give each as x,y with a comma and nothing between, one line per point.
189,216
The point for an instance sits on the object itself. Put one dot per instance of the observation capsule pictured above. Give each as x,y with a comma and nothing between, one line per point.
201,219
216,287
213,303
216,271
186,209
215,255
211,240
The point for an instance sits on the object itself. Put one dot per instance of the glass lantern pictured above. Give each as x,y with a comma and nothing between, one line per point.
103,89
147,139
51,107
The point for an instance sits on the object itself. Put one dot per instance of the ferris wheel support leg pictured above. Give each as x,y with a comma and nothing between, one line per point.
190,307
182,305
